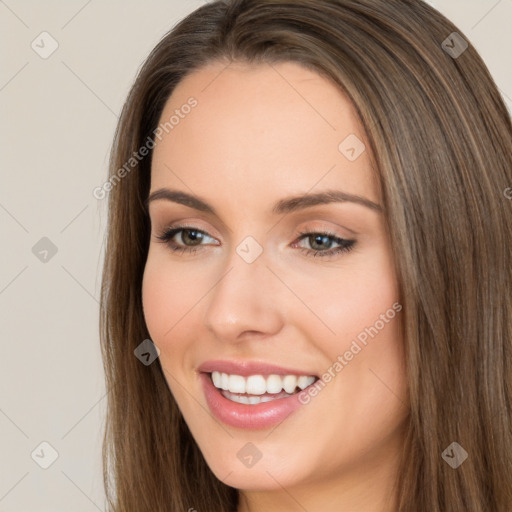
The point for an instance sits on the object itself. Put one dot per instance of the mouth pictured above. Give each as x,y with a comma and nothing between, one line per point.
257,389
254,401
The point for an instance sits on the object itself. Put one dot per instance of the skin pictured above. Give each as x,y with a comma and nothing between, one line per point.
259,134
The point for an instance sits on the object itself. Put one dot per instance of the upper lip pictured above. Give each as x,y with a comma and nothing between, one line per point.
246,368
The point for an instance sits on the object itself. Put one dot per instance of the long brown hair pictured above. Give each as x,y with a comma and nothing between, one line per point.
442,140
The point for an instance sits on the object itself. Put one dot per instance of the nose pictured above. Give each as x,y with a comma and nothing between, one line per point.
244,301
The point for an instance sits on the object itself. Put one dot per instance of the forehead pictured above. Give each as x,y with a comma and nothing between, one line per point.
261,129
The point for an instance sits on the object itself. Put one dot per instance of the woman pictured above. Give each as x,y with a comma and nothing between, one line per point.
307,285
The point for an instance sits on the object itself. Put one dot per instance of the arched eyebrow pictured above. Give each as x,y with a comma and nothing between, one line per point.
283,206
292,204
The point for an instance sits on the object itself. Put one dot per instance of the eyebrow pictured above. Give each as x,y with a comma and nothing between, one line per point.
283,206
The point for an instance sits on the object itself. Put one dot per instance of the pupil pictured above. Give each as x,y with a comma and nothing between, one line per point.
195,236
318,240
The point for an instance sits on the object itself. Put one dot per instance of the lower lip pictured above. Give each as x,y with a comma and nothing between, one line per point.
257,416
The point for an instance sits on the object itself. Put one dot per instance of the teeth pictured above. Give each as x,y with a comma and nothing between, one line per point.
224,381
259,385
217,379
290,383
304,382
248,400
255,385
236,384
274,384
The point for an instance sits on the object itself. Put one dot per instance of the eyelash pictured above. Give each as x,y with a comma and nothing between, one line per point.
345,244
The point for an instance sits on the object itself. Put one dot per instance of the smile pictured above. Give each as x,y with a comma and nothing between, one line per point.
253,401
256,389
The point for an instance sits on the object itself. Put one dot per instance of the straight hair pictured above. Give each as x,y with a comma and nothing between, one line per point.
441,137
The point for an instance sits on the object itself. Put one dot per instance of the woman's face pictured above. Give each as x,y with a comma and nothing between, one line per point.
247,290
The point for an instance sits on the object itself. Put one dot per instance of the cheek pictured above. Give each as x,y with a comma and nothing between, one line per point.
367,322
355,298
363,303
167,297
155,301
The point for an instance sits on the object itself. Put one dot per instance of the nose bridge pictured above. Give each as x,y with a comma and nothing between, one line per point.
243,298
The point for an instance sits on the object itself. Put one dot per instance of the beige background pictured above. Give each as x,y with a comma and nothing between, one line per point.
58,116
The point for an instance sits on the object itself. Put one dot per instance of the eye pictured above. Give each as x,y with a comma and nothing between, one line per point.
190,237
321,243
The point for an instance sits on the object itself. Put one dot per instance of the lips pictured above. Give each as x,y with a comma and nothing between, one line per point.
249,416
246,368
